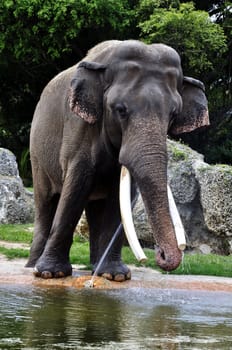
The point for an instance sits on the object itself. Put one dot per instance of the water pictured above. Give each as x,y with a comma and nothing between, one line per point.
36,318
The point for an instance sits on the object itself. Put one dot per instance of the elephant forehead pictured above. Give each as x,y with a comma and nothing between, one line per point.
138,74
132,50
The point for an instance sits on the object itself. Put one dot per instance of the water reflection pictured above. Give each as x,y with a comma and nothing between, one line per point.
33,318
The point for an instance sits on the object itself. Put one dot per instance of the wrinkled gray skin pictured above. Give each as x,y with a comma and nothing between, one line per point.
114,108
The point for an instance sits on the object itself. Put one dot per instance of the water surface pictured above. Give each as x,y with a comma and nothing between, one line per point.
41,318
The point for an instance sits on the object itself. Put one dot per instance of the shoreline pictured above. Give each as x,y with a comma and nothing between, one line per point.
14,272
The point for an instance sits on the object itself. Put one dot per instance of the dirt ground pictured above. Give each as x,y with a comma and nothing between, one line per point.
14,272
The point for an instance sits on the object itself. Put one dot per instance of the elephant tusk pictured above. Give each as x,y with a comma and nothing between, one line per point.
176,220
126,215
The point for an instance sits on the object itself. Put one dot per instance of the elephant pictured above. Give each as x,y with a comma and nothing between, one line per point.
114,108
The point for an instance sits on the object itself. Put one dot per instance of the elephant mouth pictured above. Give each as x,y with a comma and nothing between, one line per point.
167,259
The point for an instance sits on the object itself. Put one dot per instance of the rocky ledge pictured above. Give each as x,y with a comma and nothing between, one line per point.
16,203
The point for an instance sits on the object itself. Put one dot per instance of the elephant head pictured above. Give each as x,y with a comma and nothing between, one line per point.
137,94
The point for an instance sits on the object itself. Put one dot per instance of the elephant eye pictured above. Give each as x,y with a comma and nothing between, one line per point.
121,110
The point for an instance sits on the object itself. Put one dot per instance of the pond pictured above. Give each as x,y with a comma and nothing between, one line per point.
136,318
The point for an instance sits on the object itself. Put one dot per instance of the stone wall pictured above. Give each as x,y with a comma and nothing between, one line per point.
16,203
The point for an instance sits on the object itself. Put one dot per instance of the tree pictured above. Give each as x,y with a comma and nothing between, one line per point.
204,44
198,40
40,38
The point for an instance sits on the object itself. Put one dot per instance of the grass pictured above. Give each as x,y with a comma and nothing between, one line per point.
192,264
16,233
14,253
30,189
210,264
79,253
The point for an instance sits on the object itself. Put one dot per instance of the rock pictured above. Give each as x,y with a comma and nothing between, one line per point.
216,197
203,195
205,249
82,228
142,227
16,203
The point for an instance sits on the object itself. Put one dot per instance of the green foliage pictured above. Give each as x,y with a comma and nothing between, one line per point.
178,154
205,46
192,264
198,40
146,8
44,30
14,253
21,233
218,148
210,264
129,258
38,39
79,254
24,165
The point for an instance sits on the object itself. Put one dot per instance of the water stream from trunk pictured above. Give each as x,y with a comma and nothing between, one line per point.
90,283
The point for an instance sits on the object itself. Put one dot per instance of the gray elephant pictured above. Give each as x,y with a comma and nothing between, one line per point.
114,108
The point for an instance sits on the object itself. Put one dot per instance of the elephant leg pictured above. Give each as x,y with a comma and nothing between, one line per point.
54,262
94,214
45,208
43,222
104,218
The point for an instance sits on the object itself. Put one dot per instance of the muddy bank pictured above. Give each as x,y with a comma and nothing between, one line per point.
14,272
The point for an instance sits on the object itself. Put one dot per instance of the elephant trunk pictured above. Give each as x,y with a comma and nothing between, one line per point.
154,194
149,169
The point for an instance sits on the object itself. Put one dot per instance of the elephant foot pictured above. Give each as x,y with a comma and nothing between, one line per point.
30,263
114,271
51,269
34,256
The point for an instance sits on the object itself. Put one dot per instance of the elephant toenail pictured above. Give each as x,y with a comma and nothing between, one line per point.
128,275
119,277
108,276
46,274
59,274
36,272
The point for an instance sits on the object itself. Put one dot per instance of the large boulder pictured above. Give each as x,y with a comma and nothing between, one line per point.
203,194
16,203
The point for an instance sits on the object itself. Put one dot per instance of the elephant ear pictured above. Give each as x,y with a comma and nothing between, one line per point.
194,112
86,92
